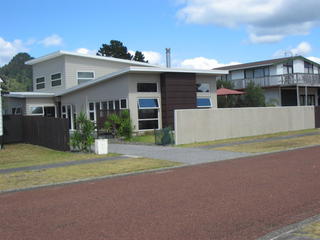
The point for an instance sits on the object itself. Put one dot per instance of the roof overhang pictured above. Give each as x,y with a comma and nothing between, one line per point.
65,53
142,70
29,95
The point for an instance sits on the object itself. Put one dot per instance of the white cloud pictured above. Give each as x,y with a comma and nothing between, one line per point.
303,49
9,49
315,59
86,51
265,20
153,57
203,63
53,40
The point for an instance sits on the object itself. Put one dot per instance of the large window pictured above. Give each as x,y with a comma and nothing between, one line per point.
40,83
37,110
84,76
56,79
203,87
308,67
256,73
288,67
204,103
148,113
147,87
311,100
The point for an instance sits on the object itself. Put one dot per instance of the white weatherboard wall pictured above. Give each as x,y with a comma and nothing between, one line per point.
200,125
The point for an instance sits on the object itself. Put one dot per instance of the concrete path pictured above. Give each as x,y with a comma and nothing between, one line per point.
62,164
259,140
177,154
308,229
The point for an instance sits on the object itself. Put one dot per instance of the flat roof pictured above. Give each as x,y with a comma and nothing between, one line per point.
141,70
62,53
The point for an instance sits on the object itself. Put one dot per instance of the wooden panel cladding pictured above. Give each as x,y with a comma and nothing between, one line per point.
178,91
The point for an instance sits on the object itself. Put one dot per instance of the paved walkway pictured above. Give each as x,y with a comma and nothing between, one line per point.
308,229
259,140
62,164
177,154
242,199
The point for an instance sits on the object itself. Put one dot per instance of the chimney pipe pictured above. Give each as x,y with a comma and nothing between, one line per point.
168,57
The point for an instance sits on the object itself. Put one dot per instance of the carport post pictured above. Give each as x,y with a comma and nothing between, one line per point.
305,95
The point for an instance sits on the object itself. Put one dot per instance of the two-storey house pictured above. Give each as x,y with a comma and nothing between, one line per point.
289,81
67,83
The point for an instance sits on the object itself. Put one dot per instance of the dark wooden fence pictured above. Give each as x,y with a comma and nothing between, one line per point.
44,131
317,116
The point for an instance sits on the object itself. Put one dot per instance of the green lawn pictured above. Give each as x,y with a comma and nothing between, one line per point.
23,155
230,140
58,175
146,138
271,146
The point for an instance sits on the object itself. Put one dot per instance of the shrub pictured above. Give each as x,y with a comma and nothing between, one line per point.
83,137
119,125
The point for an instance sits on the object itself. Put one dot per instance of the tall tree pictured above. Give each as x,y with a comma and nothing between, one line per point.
116,49
138,56
16,74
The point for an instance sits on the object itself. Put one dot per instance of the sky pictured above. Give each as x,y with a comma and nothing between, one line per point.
201,33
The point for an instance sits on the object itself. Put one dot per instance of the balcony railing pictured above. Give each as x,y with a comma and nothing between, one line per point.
280,80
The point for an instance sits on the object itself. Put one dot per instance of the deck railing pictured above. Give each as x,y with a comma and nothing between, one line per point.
280,80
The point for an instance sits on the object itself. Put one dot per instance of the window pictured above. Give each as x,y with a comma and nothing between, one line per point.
308,67
111,105
123,104
104,105
288,67
204,102
117,104
148,103
56,79
148,113
203,87
92,115
84,76
37,110
63,111
258,72
147,87
40,83
16,111
248,73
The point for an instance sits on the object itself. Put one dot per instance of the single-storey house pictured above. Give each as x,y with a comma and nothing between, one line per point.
289,81
67,83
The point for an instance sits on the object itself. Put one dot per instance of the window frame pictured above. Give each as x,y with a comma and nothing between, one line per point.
85,79
123,99
157,87
149,119
210,101
44,82
36,106
149,107
55,80
200,86
92,111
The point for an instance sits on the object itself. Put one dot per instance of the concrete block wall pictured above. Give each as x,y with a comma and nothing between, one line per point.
200,125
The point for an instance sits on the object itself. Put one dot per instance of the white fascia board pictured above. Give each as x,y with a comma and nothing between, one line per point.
61,53
179,70
29,95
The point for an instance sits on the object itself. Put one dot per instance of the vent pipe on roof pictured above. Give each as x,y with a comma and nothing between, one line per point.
168,57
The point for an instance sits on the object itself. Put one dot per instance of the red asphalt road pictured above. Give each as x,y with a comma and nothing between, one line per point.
236,199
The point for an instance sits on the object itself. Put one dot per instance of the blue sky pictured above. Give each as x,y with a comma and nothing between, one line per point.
201,33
